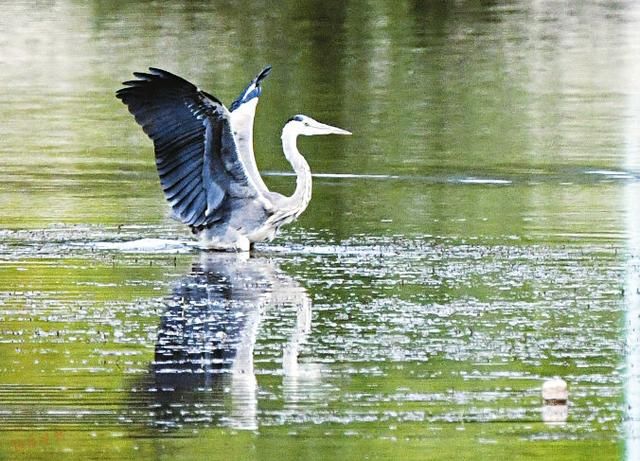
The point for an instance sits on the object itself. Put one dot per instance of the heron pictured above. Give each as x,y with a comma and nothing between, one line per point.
205,158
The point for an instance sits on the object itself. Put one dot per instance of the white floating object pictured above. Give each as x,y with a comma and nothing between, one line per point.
555,392
555,396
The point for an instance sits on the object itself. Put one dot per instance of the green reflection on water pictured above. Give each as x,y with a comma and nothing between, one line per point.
485,246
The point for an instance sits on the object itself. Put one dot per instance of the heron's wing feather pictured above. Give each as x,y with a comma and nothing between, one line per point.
243,112
196,154
253,90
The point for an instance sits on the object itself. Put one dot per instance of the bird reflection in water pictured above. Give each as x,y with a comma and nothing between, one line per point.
203,371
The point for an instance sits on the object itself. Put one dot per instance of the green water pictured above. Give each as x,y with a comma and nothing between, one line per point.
476,235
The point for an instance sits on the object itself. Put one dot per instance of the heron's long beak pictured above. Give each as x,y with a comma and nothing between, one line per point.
328,129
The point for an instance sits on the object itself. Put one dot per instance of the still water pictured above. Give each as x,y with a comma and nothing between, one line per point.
477,235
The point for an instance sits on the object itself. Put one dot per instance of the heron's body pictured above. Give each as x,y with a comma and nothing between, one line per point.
205,159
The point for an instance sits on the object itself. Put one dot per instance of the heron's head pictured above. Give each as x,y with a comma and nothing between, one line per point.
309,127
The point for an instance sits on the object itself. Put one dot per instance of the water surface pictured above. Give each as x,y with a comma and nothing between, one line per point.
476,236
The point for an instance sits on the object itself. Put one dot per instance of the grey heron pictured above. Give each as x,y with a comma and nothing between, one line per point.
205,160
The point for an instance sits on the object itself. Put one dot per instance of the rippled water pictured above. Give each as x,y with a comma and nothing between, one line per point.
476,236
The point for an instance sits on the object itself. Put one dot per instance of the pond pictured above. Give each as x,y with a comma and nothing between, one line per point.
476,236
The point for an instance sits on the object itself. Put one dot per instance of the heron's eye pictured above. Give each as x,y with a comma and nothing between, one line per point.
306,123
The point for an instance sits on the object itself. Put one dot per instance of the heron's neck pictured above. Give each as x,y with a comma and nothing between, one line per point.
302,195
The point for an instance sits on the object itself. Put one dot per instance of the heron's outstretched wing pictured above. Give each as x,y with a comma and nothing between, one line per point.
253,89
196,154
243,111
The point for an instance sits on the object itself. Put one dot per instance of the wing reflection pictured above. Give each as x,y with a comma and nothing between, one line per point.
203,371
